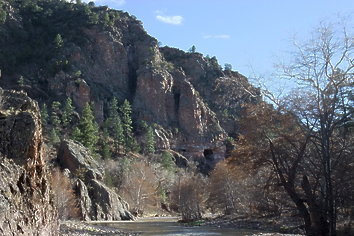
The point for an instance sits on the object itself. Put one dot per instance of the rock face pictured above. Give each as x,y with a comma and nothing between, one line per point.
25,203
96,200
189,96
107,204
74,157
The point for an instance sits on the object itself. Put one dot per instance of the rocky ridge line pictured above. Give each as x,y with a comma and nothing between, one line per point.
26,206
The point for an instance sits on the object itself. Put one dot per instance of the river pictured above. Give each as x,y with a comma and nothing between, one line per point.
169,226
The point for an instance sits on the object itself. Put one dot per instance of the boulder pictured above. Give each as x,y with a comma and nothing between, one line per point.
26,205
84,200
75,157
180,160
107,204
79,91
20,127
96,201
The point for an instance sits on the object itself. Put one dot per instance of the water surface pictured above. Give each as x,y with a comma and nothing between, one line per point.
169,226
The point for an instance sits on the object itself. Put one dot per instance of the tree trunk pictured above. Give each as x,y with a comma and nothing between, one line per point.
319,225
329,198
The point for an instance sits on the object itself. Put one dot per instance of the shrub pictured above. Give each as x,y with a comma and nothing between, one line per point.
64,197
189,196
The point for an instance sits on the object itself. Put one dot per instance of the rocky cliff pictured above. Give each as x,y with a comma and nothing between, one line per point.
96,201
26,207
103,53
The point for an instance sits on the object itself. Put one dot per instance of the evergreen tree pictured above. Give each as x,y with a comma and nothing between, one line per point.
58,41
106,152
21,81
127,125
167,161
68,112
142,127
54,117
88,128
192,49
115,124
118,134
113,112
134,146
76,134
149,141
228,67
54,138
44,114
93,18
106,19
3,14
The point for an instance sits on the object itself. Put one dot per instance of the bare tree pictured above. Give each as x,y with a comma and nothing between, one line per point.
189,195
238,188
305,137
223,189
64,196
140,187
324,70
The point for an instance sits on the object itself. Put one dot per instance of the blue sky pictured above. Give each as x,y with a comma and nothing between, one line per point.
251,35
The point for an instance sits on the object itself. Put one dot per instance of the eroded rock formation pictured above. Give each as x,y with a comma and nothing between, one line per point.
193,100
26,207
96,201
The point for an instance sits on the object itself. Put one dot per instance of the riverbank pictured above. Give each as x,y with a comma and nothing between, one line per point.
278,225
164,225
81,228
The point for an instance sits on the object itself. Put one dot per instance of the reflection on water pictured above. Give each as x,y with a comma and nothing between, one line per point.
169,226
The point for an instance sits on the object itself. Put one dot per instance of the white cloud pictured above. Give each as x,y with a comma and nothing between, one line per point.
217,36
174,20
159,12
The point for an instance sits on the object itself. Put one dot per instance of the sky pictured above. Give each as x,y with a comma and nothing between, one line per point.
251,35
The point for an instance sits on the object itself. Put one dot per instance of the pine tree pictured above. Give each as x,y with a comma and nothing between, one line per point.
118,134
68,112
127,124
76,134
134,146
149,141
167,161
106,152
3,14
58,41
88,128
21,81
114,123
54,117
44,114
53,137
192,49
106,19
113,109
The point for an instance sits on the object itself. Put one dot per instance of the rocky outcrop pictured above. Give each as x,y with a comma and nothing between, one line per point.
79,91
194,101
18,113
96,201
224,91
107,204
161,93
74,157
180,160
84,200
26,207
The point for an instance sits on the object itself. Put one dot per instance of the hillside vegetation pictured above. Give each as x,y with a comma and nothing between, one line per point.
133,129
